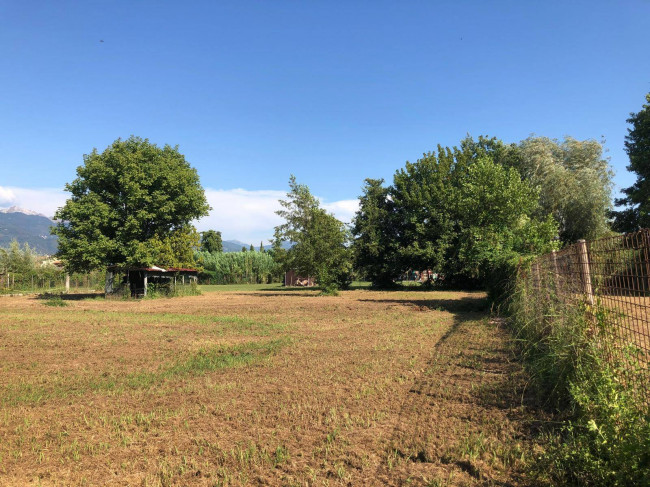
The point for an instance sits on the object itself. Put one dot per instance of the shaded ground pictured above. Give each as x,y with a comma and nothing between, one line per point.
367,388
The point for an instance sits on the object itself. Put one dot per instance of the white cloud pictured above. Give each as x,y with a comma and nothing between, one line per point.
40,200
244,215
6,196
344,210
239,214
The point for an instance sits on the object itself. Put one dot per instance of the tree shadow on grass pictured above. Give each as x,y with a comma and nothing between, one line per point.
70,296
457,305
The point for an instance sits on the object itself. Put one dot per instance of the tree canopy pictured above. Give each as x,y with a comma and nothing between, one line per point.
319,239
455,211
211,241
575,183
132,204
636,202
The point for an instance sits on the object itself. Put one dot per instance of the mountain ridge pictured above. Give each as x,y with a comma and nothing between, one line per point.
32,228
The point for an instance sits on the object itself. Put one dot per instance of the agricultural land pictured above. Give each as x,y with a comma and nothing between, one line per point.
261,387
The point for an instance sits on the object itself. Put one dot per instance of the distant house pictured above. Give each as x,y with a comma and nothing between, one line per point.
137,280
291,278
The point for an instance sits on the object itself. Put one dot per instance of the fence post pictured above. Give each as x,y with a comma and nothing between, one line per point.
646,257
585,274
556,273
67,282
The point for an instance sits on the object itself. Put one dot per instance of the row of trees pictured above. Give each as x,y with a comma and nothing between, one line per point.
461,211
457,210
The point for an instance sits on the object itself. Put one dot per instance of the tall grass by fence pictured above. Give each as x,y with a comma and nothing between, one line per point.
581,318
609,279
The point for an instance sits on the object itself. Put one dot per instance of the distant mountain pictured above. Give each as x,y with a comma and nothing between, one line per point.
29,227
236,245
33,228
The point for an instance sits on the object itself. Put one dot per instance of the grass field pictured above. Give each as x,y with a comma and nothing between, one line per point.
263,386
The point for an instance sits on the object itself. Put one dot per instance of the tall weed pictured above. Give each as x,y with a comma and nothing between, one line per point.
603,437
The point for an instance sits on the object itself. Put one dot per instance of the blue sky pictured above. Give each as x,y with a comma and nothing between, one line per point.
332,92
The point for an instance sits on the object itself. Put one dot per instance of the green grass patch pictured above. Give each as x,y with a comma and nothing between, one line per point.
201,362
55,301
211,288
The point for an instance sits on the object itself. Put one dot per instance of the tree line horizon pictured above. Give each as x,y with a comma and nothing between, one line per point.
458,210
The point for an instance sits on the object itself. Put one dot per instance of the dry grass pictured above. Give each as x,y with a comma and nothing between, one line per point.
266,387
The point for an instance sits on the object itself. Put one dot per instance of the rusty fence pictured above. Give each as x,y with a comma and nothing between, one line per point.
608,282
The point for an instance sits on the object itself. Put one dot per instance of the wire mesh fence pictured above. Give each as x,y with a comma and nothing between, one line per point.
608,282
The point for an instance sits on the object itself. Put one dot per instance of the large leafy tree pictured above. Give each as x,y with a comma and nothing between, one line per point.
320,241
132,204
575,183
423,193
211,241
495,210
636,202
456,211
375,228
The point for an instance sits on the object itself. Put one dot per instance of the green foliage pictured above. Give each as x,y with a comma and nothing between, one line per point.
237,267
423,194
575,184
175,249
22,270
131,196
374,226
494,211
17,259
457,211
320,240
211,241
608,441
55,301
636,203
603,433
465,210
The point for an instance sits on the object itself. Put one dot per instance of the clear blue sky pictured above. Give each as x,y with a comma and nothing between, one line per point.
332,91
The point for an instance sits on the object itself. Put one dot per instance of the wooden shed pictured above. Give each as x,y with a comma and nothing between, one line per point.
138,279
291,278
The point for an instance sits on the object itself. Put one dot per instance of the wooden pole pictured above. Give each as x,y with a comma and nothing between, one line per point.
67,282
585,273
556,273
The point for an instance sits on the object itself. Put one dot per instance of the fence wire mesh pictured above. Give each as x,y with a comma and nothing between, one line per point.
607,280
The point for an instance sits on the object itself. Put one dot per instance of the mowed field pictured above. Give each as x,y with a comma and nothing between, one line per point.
268,387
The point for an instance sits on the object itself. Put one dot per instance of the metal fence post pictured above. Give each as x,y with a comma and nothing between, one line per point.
585,274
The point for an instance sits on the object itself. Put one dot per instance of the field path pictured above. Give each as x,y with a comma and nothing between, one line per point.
261,388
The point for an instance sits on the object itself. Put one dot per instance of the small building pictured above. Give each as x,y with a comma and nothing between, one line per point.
137,280
291,278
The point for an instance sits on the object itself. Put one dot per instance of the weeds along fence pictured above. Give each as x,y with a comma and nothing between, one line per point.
49,279
606,282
